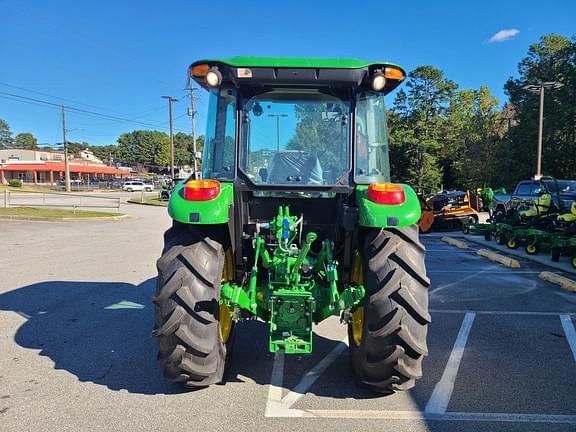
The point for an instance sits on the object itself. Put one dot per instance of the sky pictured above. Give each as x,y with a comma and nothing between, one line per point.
118,58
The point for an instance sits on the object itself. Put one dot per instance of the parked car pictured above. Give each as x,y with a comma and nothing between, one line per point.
563,193
134,186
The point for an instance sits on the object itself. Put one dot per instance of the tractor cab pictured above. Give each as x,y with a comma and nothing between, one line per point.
296,124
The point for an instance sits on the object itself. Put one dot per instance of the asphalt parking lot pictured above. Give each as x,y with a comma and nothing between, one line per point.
76,351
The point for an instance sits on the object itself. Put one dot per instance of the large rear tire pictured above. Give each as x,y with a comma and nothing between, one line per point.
387,354
187,329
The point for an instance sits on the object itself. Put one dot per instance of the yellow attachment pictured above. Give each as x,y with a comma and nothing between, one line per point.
225,324
357,321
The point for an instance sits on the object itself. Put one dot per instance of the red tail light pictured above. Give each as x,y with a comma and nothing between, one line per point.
386,193
201,190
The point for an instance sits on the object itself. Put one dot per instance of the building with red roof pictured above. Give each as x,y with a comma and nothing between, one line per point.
48,168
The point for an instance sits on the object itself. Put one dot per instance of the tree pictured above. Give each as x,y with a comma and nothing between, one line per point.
6,140
418,115
26,141
144,147
182,149
553,58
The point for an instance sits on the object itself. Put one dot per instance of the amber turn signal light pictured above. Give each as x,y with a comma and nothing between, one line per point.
393,73
199,70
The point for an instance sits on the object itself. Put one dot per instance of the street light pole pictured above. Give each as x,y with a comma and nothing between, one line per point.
539,88
277,128
170,100
66,166
540,128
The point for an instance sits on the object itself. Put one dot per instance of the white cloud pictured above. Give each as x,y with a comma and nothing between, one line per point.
503,35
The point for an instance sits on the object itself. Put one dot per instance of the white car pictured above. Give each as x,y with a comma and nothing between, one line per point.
133,186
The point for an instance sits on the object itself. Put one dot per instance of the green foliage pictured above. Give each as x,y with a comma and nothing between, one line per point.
417,120
317,135
553,58
6,140
459,138
26,141
17,183
145,147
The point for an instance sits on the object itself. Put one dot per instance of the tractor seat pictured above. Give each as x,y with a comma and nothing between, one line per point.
569,217
540,207
295,168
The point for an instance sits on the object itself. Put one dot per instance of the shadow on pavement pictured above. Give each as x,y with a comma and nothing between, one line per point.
101,333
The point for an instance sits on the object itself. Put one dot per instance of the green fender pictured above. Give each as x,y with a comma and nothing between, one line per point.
215,211
387,216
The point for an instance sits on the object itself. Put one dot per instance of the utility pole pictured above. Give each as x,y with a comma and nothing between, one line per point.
192,114
539,88
277,128
66,166
170,100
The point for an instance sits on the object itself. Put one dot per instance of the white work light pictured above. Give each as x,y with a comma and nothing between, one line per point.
213,77
378,81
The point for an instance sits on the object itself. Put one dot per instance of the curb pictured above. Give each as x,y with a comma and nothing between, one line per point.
147,204
504,260
9,218
459,244
516,253
563,282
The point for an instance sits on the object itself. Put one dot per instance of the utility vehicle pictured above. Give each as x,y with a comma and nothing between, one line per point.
294,220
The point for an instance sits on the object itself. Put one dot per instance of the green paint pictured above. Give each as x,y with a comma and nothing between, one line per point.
376,215
296,62
298,289
215,211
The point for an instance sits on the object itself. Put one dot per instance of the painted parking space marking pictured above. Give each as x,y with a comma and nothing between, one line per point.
570,332
436,408
489,312
438,403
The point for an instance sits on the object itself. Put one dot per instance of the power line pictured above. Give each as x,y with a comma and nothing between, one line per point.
40,102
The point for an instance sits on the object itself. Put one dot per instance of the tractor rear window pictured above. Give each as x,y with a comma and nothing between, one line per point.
220,146
295,137
371,163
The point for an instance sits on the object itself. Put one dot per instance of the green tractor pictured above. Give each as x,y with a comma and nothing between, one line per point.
294,220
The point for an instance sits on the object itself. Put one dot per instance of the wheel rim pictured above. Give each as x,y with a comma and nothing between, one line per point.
357,321
531,248
358,325
225,323
574,262
225,313
511,244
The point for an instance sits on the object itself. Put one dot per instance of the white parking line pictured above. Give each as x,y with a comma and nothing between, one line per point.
278,406
436,408
449,416
274,402
496,271
570,332
465,311
438,403
313,374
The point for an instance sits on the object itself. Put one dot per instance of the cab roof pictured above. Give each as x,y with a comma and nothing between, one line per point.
296,62
296,71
